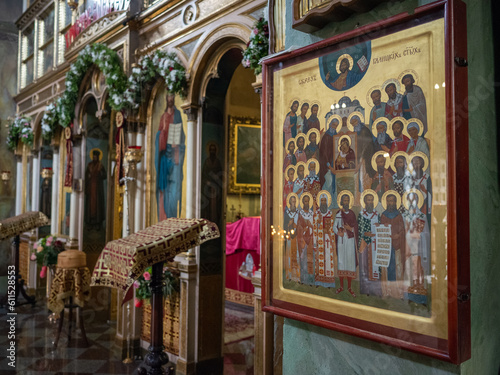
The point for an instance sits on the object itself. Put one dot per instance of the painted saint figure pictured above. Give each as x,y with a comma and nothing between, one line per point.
400,141
300,154
290,158
346,158
312,184
289,183
346,79
417,264
313,120
305,239
292,268
299,183
382,141
394,106
369,276
417,142
378,109
346,230
414,104
95,208
211,173
290,124
392,276
169,160
401,179
302,119
324,240
382,181
312,149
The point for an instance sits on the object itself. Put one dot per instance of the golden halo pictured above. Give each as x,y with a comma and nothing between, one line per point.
287,144
315,161
420,196
92,151
392,80
297,168
328,197
119,119
288,199
423,156
369,100
386,194
316,131
342,193
67,132
355,113
409,71
314,102
419,123
369,192
311,201
291,102
288,168
385,155
333,117
395,156
306,142
381,119
340,140
399,118
344,56
207,147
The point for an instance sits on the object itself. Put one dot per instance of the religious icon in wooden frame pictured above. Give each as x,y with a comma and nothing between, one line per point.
362,229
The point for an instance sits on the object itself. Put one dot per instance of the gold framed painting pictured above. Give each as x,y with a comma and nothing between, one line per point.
244,155
362,229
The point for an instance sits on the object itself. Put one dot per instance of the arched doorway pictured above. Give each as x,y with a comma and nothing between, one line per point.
227,98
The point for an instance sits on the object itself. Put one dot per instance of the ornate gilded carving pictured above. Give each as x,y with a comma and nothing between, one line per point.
97,28
311,15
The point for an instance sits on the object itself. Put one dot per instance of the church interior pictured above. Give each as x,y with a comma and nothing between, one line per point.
262,187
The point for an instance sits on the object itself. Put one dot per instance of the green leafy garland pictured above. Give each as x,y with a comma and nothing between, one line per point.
257,46
20,129
108,62
123,93
166,65
142,285
50,119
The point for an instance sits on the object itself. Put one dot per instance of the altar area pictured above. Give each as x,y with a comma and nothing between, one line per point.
242,259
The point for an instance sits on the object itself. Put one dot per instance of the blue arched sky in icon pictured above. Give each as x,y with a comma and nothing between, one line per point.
361,55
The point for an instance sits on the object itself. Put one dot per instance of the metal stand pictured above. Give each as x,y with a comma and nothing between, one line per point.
19,280
156,357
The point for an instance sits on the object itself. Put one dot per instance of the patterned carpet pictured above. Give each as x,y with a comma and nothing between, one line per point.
35,354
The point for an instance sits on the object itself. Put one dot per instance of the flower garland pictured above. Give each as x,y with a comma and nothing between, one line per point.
108,62
142,285
257,46
166,65
20,129
50,119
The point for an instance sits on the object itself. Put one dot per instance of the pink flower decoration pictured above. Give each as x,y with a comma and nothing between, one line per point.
49,240
138,302
136,284
33,256
255,31
43,272
147,276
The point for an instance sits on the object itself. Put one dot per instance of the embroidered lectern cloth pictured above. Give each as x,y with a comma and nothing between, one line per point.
16,225
122,261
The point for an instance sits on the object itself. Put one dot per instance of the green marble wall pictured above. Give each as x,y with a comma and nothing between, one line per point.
308,349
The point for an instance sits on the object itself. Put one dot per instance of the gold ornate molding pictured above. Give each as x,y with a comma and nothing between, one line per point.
312,15
96,29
